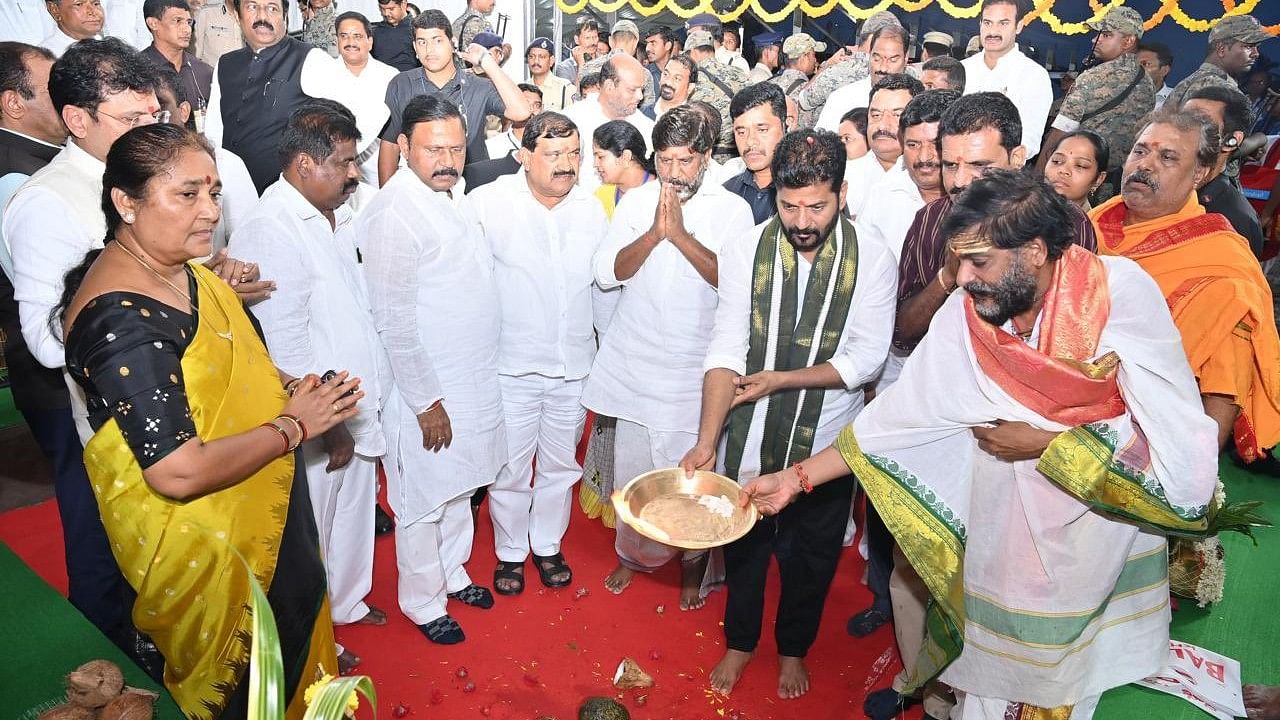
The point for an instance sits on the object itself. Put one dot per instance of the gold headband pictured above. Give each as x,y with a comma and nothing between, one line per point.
970,243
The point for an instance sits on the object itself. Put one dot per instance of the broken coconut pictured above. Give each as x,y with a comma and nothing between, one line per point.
629,675
132,704
67,711
94,683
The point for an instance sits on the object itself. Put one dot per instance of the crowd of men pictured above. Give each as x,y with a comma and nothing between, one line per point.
792,250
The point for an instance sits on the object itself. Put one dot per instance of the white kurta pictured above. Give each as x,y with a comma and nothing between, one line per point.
895,199
858,356
862,175
364,95
123,19
25,21
588,115
1022,80
1062,602
649,368
436,310
239,196
854,95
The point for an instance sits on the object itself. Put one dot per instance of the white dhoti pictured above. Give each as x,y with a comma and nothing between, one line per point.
637,450
544,418
342,502
973,707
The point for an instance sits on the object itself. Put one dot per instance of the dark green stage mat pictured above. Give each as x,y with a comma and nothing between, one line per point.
1242,626
45,638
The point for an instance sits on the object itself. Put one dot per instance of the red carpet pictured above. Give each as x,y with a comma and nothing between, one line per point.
541,653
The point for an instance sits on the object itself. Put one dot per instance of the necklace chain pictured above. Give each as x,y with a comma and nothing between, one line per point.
153,271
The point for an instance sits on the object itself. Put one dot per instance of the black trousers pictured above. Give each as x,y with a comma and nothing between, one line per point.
879,560
95,585
806,538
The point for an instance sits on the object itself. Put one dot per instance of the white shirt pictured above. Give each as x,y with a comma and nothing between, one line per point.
887,219
725,56
649,368
318,318
589,115
320,63
1162,94
842,100
503,144
858,356
123,19
364,95
862,175
26,21
542,267
50,223
57,42
9,185
1022,80
239,195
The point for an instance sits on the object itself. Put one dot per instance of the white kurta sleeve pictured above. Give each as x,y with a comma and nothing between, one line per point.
622,231
393,259
213,116
45,241
729,339
1035,111
286,315
869,327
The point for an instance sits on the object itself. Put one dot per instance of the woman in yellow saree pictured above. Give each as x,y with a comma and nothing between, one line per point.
192,458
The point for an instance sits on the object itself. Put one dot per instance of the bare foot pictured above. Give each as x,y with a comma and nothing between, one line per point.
619,579
1262,702
373,617
691,574
793,677
347,662
726,672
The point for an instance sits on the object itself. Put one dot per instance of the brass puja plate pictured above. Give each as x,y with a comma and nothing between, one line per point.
692,513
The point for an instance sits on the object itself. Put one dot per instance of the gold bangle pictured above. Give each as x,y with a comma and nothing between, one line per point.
297,426
292,386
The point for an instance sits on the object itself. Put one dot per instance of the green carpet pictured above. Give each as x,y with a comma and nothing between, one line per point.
45,639
9,414
1240,627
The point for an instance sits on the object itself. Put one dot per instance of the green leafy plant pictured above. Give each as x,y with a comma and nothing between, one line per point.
1241,517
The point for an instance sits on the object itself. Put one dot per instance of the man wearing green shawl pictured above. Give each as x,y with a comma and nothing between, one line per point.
803,322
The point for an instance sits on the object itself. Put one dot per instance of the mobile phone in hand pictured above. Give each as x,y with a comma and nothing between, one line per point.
331,374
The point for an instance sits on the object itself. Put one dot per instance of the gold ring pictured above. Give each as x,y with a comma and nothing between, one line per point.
337,408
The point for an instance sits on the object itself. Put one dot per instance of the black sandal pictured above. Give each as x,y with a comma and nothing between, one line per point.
474,595
507,571
556,565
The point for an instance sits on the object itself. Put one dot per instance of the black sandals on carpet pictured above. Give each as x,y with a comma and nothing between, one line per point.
475,596
506,571
867,621
886,704
443,631
551,565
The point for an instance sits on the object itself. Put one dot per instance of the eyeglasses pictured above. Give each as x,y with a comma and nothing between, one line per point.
161,117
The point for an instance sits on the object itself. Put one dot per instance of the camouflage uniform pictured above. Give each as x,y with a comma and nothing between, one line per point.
708,91
650,96
1207,75
790,80
1095,88
812,97
468,25
319,31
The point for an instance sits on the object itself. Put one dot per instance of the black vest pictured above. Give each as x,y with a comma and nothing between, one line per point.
259,93
34,386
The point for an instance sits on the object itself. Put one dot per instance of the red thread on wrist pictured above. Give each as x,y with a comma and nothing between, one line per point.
805,486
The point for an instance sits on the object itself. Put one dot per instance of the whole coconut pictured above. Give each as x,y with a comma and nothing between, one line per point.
94,684
132,705
602,708
67,711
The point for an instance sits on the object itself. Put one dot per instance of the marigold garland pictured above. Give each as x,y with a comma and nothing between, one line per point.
1043,11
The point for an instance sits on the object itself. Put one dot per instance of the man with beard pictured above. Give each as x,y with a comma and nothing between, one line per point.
661,248
1044,437
170,25
359,82
625,42
543,230
803,322
977,134
1001,67
1220,300
622,80
435,306
888,57
557,93
393,37
585,38
846,66
759,122
679,76
1233,49
442,74
889,97
257,88
301,235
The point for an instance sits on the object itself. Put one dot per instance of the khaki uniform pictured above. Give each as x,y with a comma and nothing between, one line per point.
468,25
557,93
216,31
707,89
1096,87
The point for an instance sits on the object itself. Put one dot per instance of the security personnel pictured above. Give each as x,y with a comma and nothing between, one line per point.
768,56
717,84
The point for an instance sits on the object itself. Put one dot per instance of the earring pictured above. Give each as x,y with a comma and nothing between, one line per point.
128,218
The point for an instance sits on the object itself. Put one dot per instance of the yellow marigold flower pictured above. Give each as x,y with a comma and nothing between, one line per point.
353,702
